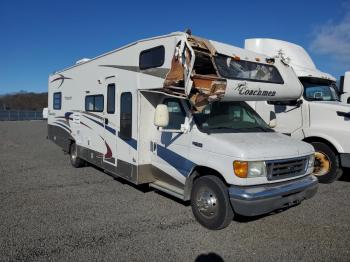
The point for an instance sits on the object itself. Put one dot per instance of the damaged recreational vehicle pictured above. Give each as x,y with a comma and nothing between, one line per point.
169,111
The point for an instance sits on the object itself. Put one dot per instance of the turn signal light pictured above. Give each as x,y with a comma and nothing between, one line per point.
240,168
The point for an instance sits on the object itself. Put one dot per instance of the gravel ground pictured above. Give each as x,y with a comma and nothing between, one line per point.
51,211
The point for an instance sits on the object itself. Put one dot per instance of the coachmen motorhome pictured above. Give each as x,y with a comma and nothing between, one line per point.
318,117
169,111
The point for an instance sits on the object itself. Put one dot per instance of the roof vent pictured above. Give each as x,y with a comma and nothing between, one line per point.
83,60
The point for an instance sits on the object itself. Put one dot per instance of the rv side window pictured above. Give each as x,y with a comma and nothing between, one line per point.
126,115
111,98
177,114
151,58
57,100
94,103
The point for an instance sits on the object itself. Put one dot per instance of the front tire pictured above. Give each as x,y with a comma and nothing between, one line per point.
74,159
326,163
210,203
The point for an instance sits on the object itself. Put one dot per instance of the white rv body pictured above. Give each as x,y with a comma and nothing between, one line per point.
310,120
123,140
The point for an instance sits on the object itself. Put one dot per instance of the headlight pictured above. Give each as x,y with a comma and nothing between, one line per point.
249,169
311,161
256,169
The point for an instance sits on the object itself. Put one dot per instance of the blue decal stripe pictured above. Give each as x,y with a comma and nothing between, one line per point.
131,142
110,129
63,122
63,126
182,164
93,120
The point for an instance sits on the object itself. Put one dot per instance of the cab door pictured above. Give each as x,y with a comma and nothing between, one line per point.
171,148
289,114
110,125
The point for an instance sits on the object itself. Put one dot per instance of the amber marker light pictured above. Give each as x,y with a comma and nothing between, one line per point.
240,168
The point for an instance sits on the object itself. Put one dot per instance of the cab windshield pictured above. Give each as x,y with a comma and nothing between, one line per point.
319,89
228,117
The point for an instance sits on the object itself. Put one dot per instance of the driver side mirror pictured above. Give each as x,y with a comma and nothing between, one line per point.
161,116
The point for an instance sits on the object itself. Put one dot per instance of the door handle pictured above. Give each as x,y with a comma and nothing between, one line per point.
106,121
153,146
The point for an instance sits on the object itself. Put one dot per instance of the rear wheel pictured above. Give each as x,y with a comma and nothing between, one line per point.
326,163
210,203
74,159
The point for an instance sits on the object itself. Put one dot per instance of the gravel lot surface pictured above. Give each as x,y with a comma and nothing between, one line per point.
51,211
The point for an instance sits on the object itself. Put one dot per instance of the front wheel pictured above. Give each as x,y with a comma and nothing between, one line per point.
326,163
74,159
210,203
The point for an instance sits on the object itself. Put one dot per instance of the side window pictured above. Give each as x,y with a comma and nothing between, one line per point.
126,115
177,114
94,103
57,100
98,103
111,98
151,58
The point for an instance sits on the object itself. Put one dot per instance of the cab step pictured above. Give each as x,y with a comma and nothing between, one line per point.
167,188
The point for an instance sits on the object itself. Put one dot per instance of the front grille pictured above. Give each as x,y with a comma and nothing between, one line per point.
285,168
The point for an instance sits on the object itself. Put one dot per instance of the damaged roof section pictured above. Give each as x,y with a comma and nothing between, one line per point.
199,79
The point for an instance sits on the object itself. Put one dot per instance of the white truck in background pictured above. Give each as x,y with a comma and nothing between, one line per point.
318,117
169,112
344,88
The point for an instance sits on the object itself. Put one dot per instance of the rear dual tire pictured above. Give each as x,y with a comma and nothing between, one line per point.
74,159
211,203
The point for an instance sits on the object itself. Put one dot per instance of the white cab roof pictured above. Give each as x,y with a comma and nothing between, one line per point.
299,58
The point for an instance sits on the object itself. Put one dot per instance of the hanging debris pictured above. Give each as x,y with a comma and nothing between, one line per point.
206,85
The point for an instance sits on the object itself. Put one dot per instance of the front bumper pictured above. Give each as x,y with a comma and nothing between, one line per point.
262,199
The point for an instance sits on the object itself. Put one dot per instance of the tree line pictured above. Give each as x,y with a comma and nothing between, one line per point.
23,101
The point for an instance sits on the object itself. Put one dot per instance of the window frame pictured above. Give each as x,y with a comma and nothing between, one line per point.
108,98
161,63
53,102
94,103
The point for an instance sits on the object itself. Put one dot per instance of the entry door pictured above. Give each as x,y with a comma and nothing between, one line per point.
110,125
171,149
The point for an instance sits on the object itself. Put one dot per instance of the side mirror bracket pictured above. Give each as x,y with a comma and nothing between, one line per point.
273,120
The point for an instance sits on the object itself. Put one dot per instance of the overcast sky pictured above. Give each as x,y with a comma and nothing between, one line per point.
39,37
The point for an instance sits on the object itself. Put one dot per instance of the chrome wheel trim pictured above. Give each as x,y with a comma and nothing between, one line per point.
207,203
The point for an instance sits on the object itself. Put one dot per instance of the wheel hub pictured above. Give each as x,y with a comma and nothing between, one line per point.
207,203
322,164
74,154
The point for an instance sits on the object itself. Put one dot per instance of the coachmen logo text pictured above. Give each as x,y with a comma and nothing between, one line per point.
243,89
